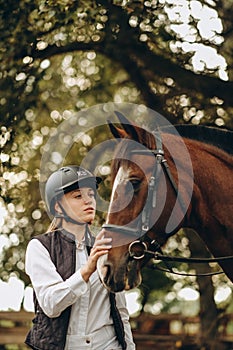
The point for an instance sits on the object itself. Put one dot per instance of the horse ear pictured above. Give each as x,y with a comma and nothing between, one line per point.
117,132
129,128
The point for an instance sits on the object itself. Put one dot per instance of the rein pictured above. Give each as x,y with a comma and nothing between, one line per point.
143,246
142,251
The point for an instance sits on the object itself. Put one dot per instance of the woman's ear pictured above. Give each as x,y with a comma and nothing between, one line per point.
57,208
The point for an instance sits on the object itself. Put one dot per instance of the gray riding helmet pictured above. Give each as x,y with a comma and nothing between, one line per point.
67,179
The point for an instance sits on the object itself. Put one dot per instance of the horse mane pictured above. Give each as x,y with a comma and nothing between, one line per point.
220,138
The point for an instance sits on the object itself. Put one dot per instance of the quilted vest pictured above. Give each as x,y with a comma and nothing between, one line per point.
50,333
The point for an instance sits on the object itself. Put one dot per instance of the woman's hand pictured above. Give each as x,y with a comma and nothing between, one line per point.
101,247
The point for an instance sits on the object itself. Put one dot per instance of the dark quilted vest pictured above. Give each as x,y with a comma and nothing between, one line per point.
50,333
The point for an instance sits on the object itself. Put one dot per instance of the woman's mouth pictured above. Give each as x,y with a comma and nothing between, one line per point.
89,209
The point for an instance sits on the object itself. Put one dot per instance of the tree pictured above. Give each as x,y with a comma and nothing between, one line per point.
59,57
143,38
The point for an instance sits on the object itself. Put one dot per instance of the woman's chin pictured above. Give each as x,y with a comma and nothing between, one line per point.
89,219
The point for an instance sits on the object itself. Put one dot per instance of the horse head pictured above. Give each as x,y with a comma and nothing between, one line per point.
144,207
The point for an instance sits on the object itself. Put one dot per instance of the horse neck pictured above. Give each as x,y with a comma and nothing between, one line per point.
212,202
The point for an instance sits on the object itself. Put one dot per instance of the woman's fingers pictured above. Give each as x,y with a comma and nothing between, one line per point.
102,242
101,247
100,235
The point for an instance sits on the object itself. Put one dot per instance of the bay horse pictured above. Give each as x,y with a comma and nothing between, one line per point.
164,181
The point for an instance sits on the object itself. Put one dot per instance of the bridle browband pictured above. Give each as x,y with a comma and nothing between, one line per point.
147,246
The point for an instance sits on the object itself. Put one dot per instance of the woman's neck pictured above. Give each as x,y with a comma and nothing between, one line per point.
77,230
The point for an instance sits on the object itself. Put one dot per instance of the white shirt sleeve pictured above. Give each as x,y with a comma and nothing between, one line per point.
121,305
53,294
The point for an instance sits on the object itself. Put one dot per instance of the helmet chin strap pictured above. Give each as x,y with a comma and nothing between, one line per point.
68,218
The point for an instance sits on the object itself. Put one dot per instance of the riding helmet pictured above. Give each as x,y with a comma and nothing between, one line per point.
67,179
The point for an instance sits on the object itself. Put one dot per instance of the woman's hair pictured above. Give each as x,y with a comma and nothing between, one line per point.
55,225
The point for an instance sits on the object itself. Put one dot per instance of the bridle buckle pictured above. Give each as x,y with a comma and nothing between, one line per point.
137,250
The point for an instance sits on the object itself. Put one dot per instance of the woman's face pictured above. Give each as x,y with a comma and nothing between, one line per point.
79,204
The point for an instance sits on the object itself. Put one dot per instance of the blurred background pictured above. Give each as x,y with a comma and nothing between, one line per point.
61,57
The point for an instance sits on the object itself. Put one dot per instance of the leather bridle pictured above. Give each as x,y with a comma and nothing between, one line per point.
144,224
144,245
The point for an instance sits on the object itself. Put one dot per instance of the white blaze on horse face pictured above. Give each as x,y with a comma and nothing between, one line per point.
101,268
120,178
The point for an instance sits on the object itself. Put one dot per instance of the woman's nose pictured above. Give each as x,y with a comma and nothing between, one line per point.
86,198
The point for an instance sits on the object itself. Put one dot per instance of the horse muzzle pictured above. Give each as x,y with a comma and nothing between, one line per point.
124,276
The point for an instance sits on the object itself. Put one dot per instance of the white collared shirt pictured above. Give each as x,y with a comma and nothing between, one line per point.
90,322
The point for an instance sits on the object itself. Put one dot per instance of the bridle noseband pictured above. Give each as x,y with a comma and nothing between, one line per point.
144,245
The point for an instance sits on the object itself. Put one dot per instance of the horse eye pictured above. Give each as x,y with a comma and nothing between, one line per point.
136,184
132,185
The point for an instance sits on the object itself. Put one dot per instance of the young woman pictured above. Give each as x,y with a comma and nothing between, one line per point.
73,309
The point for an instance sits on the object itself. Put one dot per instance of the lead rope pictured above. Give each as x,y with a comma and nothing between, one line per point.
117,321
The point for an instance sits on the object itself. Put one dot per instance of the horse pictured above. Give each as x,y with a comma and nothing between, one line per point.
161,182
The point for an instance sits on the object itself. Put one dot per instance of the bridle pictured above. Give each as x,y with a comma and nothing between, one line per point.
144,245
144,224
